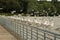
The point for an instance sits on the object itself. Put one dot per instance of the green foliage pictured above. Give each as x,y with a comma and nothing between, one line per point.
51,9
43,8
28,5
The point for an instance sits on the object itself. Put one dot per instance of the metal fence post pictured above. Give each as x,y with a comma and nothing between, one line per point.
31,33
26,33
44,35
23,32
15,26
20,30
37,33
54,37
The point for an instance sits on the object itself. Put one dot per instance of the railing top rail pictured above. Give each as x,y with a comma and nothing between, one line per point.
48,31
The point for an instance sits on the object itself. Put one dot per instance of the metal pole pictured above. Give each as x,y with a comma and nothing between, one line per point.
37,33
26,33
23,32
54,37
44,36
31,33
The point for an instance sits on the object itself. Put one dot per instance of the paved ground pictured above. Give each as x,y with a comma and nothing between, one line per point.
5,35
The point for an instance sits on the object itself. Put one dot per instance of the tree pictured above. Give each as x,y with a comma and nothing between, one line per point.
50,8
57,5
9,5
54,1
41,6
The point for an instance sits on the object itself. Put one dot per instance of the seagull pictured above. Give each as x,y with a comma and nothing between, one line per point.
46,23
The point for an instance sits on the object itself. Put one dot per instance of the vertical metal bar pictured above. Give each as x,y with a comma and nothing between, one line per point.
23,32
26,33
31,33
20,30
17,29
15,26
37,33
54,37
44,35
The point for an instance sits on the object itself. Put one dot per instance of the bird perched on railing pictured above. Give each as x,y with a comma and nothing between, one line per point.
13,11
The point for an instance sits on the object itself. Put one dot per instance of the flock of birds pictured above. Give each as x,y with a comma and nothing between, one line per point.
39,20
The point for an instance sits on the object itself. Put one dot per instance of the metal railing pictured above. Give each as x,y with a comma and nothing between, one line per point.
27,32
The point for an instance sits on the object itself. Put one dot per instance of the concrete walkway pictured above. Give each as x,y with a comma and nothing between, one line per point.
5,35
